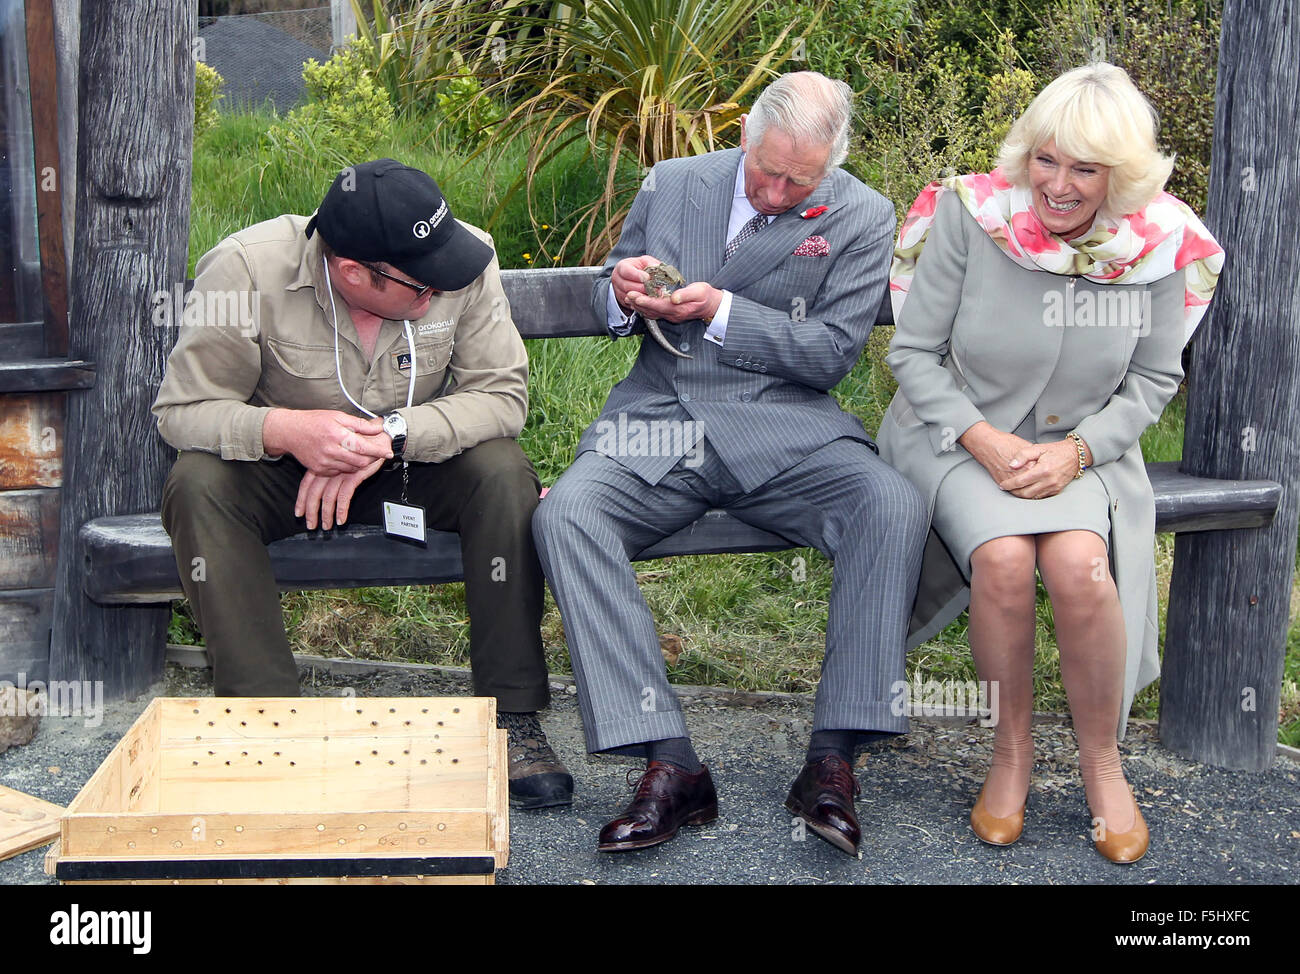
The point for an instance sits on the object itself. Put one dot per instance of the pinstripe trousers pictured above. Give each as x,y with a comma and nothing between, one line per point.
842,500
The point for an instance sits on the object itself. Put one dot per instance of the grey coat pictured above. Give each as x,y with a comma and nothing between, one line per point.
978,339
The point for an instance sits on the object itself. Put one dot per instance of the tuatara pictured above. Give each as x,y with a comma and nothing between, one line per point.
663,279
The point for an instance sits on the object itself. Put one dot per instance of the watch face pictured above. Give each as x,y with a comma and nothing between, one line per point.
394,425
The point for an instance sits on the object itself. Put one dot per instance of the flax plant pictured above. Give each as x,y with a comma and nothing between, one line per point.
638,81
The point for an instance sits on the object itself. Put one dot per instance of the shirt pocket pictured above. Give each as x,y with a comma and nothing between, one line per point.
432,356
299,376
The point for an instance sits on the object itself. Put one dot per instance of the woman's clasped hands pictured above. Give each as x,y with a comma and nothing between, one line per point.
1028,470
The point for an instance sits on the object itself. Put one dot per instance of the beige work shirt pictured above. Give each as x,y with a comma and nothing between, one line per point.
257,332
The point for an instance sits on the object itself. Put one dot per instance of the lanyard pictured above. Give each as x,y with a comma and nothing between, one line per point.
410,344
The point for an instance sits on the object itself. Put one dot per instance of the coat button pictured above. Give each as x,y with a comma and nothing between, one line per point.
745,397
762,368
686,346
686,397
1053,419
740,361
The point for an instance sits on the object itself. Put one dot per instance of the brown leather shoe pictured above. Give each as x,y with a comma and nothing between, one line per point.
1127,846
666,799
823,796
994,830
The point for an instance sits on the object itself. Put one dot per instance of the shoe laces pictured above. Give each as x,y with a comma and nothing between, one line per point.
841,777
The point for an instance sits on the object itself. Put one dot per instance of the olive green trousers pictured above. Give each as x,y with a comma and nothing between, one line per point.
221,514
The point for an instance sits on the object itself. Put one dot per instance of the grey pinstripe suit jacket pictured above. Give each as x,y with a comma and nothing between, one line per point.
797,324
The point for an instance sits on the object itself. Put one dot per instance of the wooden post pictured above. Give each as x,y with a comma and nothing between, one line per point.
136,109
42,59
1230,595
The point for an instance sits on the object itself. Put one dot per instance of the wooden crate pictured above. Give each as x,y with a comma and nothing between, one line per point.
350,790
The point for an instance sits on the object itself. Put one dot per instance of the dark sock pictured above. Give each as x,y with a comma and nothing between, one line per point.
520,724
827,742
676,751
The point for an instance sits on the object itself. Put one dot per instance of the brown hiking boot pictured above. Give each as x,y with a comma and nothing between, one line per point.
538,779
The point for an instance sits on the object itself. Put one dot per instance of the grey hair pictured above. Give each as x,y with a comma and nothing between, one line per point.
806,106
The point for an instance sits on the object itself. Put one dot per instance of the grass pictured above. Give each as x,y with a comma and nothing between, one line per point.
754,622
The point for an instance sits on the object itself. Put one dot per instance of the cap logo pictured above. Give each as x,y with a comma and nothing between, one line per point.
421,229
439,213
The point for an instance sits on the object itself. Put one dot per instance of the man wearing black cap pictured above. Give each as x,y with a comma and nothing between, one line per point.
373,363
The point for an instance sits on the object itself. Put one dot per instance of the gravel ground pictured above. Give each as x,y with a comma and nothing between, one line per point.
1208,826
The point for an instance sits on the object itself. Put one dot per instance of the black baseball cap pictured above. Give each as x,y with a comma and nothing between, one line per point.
385,211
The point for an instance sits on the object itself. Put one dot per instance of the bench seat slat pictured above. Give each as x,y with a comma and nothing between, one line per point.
129,559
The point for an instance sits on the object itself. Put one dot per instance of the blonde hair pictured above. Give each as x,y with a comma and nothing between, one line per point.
1096,114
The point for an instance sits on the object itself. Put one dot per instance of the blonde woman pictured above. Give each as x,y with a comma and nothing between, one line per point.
1041,313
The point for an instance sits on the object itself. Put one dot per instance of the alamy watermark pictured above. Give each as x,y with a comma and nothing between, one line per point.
213,308
945,698
1105,308
53,698
655,438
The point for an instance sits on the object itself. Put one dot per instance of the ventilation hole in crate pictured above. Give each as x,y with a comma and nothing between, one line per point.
130,845
194,763
292,710
293,764
423,841
212,753
376,753
455,710
424,760
239,828
320,828
221,842
243,723
356,762
401,826
196,710
407,723
455,760
211,724
259,764
343,841
227,710
361,828
406,752
275,723
374,723
392,710
325,738
358,711
392,762
275,754
243,754
227,764
197,738
176,844
442,826
424,710
112,829
154,830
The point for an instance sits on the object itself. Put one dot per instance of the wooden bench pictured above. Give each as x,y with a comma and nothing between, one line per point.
129,559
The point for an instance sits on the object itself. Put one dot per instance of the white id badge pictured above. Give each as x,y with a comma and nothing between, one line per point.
405,521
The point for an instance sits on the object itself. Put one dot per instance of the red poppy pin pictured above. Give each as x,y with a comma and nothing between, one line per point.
813,211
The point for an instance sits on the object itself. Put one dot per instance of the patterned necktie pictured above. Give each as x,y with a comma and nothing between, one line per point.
756,223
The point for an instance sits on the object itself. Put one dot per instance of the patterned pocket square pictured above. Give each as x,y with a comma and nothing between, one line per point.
813,247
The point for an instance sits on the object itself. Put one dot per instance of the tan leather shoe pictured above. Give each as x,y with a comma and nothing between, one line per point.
993,830
1127,846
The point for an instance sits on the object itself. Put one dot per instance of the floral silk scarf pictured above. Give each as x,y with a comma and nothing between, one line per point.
1140,248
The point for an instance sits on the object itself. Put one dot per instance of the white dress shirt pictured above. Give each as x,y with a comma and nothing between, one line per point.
741,213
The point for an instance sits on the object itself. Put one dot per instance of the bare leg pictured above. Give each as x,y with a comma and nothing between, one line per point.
1002,644
1090,636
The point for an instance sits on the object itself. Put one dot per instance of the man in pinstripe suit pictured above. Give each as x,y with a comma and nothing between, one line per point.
788,257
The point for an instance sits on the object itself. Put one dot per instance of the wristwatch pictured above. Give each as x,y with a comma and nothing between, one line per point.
395,426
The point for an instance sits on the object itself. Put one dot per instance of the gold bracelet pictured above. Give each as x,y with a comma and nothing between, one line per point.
1078,443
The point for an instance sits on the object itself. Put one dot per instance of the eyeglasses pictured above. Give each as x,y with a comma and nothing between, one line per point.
420,289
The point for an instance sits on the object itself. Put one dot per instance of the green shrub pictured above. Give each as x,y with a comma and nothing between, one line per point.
467,114
207,91
348,111
348,114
